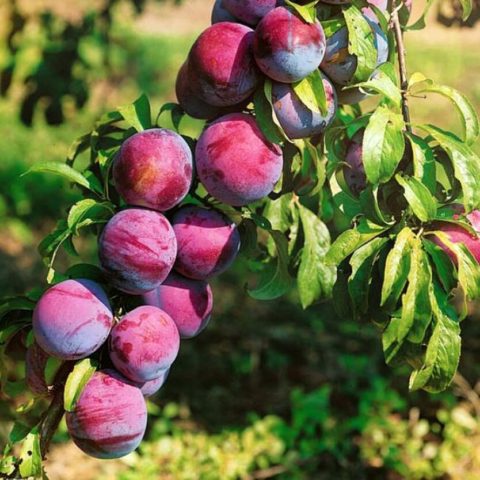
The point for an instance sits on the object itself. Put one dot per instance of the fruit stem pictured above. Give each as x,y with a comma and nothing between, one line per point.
402,66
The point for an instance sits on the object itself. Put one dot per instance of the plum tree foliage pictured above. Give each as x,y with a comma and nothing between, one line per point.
363,207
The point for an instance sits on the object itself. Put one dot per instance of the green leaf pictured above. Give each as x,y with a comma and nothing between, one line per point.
76,381
371,208
422,202
30,455
397,267
11,304
420,84
442,355
348,241
362,262
383,145
306,11
176,113
332,25
361,43
88,212
423,161
311,92
265,115
315,278
67,172
467,6
18,433
465,162
443,264
138,114
420,23
276,280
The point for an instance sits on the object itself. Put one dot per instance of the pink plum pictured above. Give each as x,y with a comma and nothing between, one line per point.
72,319
189,302
235,162
153,169
144,343
110,417
137,250
221,67
153,386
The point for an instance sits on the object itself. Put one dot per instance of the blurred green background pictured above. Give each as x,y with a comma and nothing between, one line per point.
268,390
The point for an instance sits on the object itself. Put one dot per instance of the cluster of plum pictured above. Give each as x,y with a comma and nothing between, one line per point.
253,39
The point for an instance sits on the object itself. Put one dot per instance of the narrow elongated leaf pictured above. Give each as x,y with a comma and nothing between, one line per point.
423,161
87,212
76,381
466,164
397,267
176,113
443,264
265,116
420,23
315,277
467,6
383,145
138,114
362,262
306,11
311,92
421,201
30,455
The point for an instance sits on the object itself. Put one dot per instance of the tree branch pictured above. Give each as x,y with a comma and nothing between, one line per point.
402,66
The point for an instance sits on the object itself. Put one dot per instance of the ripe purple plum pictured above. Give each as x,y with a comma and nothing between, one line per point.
221,14
354,171
153,169
35,363
110,417
72,319
286,47
235,162
137,250
208,243
296,119
339,64
249,11
189,302
221,67
153,386
144,344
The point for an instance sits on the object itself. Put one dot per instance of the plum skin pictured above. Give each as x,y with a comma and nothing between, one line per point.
151,387
109,418
354,171
221,14
72,319
296,119
137,249
235,162
286,48
221,67
249,11
189,302
153,169
144,343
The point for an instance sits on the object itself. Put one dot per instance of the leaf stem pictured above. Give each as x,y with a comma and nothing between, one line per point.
402,66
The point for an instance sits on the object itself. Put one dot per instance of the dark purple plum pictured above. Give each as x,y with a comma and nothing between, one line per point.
221,14
235,162
72,319
137,250
153,386
153,169
296,119
144,344
221,68
189,302
249,11
110,417
35,363
354,170
208,243
286,47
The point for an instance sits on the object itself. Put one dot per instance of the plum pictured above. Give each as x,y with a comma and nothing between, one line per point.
137,249
153,386
72,319
286,47
339,64
354,170
153,169
249,11
235,162
144,343
109,418
296,119
221,68
35,363
221,14
208,242
189,302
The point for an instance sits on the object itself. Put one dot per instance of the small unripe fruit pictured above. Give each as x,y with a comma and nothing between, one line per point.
189,302
72,319
137,249
110,417
144,344
153,169
286,47
235,162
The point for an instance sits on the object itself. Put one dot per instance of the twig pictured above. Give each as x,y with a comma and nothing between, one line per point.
402,65
267,473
